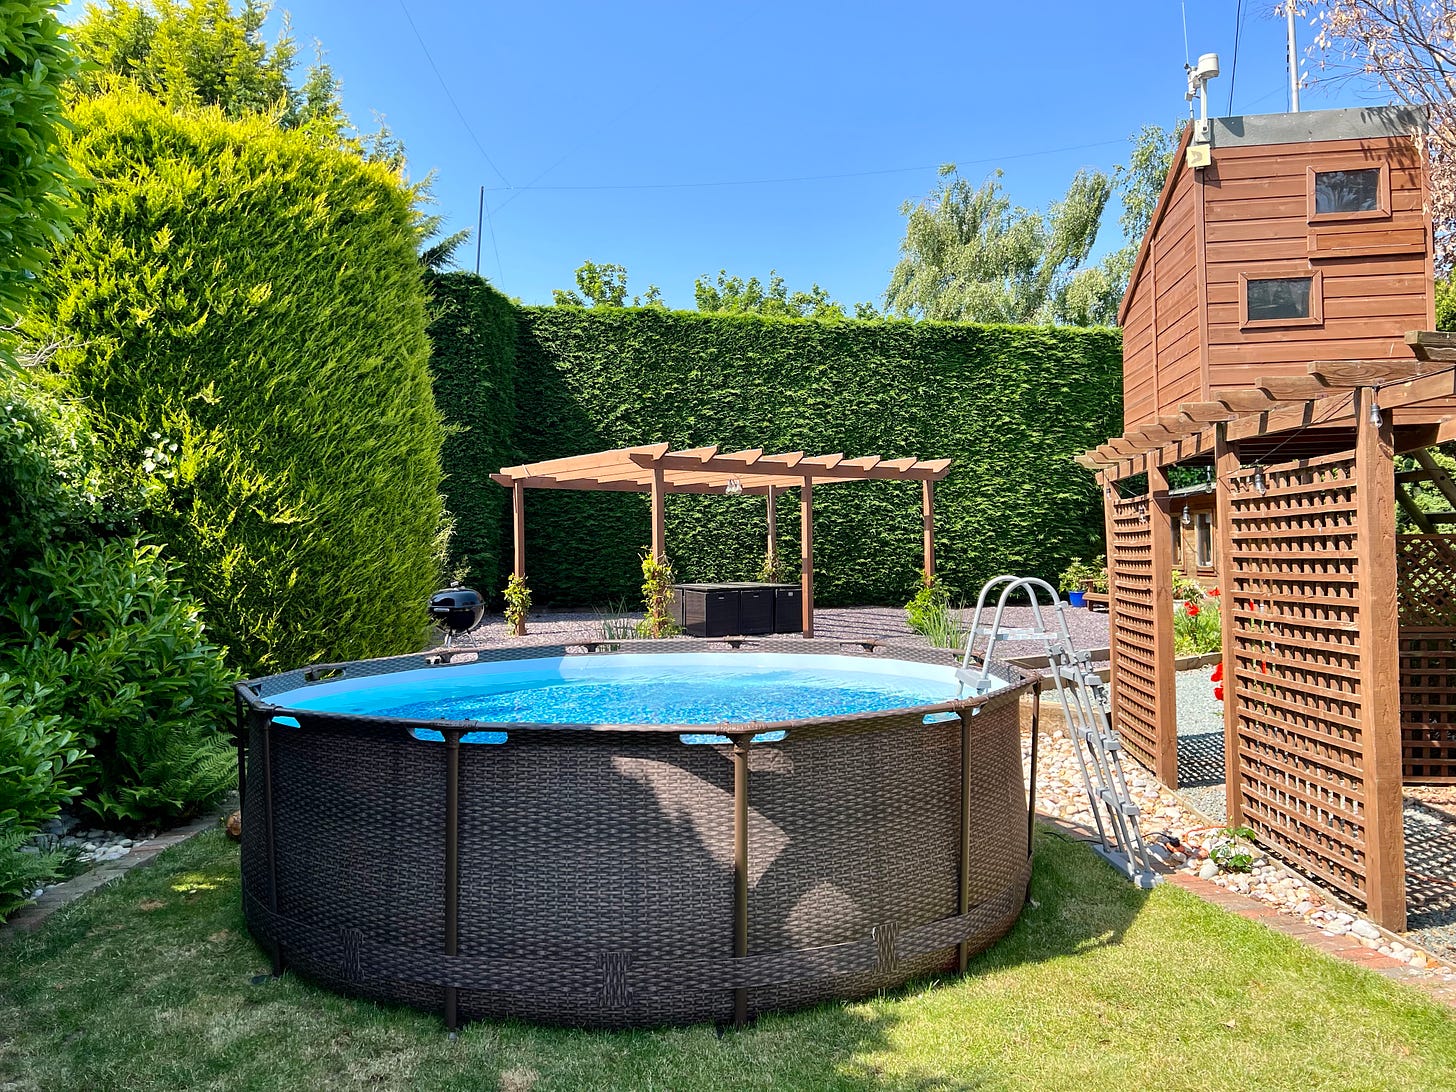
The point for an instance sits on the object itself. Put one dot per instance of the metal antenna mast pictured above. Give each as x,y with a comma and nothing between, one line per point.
1293,59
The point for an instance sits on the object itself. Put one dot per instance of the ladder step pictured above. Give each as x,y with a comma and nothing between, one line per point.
1024,635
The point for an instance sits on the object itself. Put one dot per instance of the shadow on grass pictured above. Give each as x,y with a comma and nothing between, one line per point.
153,983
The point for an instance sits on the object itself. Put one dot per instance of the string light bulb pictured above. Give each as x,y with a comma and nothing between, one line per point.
1187,519
1375,419
1259,484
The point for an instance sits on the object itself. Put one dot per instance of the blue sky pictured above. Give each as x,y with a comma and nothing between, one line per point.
569,100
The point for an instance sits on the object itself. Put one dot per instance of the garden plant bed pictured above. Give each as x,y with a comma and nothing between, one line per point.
153,983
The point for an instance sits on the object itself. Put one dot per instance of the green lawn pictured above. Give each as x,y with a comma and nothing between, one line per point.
149,985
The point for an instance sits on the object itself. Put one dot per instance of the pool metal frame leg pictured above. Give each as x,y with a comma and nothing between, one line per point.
452,868
740,868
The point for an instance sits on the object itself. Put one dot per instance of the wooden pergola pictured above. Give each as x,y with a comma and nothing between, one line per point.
658,470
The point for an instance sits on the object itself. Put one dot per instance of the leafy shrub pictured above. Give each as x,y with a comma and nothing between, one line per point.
657,596
930,599
1185,587
35,749
1233,849
34,176
1080,575
22,872
255,299
111,647
1010,405
518,603
1197,627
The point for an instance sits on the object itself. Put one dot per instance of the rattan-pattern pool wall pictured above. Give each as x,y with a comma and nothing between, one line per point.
618,877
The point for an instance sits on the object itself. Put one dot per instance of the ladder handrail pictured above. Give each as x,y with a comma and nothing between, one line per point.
1084,709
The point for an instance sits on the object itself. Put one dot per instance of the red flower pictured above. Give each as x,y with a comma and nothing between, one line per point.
1191,608
1217,675
1218,692
1214,592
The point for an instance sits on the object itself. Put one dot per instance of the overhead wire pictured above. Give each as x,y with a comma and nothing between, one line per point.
446,88
516,191
1234,68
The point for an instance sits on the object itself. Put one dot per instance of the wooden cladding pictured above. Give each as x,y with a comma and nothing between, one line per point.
1349,216
1427,600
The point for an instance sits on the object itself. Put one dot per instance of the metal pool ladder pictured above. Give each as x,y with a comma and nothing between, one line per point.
1085,708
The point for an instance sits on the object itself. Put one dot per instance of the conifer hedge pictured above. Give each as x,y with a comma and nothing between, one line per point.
244,311
1011,405
473,330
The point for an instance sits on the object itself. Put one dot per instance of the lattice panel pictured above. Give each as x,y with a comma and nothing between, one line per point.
1427,574
1130,566
1292,584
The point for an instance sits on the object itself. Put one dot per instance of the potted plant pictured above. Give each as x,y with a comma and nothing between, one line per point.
1076,579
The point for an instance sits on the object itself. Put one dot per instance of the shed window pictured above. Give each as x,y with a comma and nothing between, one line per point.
1342,192
1281,296
1204,531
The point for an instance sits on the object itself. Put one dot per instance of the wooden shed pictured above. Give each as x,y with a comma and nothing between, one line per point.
1278,361
1306,237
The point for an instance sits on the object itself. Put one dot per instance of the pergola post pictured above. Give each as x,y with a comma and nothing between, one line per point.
1226,464
1379,661
927,523
806,554
659,515
773,527
518,522
1160,533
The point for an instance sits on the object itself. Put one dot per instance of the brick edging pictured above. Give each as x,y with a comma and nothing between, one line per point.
31,915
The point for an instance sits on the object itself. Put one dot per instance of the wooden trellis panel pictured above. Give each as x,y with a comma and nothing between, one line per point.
1131,624
1427,570
1292,585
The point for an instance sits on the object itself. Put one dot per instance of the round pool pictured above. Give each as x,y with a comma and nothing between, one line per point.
644,836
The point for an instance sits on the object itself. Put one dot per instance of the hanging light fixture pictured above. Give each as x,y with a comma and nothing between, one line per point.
1259,481
1187,519
1375,419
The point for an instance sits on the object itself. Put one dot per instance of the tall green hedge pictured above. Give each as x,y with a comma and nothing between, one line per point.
35,63
473,330
1010,405
244,311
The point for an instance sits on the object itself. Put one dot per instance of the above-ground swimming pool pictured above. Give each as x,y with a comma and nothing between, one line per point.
637,837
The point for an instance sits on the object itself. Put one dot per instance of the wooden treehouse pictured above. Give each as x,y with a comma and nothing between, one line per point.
1277,361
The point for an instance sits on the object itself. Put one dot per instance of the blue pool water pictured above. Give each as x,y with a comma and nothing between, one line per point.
676,688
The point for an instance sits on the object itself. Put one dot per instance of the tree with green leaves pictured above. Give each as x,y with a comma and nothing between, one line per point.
34,177
969,255
735,295
201,53
604,285
1093,295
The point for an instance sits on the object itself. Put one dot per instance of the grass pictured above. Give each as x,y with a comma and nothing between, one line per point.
149,984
